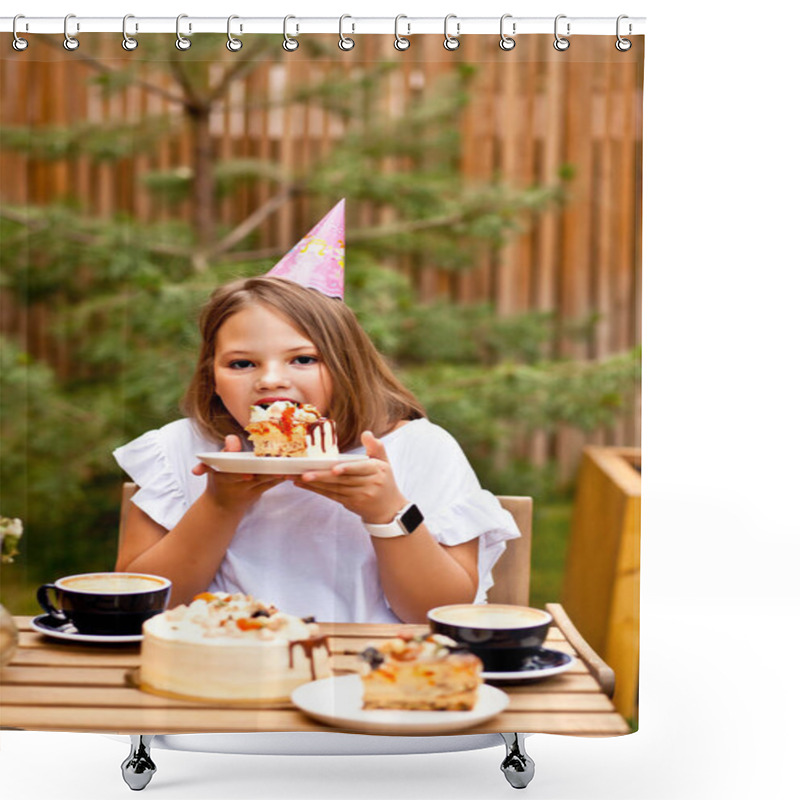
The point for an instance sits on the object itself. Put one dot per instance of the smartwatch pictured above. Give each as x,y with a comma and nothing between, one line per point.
407,520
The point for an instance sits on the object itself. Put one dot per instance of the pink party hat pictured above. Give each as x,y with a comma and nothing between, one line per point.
317,260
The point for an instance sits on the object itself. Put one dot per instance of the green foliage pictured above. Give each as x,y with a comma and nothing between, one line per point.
551,525
48,466
489,380
100,142
57,251
472,335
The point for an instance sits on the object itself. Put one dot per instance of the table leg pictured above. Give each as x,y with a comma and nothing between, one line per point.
518,766
138,768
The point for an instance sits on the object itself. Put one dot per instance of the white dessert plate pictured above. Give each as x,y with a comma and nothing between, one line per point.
337,701
544,664
67,632
272,465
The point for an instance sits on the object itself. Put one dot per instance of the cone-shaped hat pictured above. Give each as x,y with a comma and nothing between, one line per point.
317,260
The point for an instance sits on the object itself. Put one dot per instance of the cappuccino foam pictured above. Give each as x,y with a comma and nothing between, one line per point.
112,584
492,617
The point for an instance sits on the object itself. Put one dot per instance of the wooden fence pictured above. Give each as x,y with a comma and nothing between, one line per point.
532,110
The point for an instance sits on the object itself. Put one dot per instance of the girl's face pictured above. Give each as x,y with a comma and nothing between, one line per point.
260,357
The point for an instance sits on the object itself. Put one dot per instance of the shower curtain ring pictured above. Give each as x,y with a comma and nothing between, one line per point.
182,43
290,43
345,42
18,43
400,42
70,42
233,44
128,42
623,45
561,43
506,42
451,42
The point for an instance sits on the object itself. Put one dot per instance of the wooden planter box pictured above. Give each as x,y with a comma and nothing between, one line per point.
601,582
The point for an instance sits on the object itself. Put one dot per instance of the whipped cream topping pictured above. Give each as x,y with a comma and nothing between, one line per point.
274,412
219,617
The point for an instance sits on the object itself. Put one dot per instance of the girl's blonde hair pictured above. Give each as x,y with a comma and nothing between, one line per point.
366,395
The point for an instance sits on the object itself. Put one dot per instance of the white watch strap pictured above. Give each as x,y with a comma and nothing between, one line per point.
391,529
388,531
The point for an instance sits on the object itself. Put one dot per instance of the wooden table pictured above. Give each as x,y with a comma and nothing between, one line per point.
56,686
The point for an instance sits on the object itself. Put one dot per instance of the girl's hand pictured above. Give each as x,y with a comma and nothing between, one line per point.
366,488
235,491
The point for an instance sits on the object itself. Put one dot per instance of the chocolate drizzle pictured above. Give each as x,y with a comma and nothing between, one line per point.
321,427
308,646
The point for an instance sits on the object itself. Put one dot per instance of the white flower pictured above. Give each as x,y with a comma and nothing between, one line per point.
10,534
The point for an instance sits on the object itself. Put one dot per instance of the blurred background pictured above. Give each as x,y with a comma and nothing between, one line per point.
493,254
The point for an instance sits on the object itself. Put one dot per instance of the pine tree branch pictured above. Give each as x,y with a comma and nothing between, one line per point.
37,224
249,224
360,235
99,66
239,70
190,98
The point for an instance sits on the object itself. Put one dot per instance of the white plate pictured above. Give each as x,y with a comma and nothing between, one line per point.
272,465
55,629
552,662
337,701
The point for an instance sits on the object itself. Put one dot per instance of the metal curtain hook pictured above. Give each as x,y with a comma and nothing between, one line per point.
560,43
70,42
182,43
233,44
345,42
506,42
451,42
289,43
400,42
18,43
623,45
128,42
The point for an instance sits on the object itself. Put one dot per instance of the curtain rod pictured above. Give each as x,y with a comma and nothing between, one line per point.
186,24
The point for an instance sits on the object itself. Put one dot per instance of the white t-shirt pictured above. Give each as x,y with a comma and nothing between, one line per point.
308,554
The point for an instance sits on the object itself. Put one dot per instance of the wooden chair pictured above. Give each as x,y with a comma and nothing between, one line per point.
512,572
129,489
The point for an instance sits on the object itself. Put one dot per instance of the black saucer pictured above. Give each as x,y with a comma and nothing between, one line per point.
542,663
56,628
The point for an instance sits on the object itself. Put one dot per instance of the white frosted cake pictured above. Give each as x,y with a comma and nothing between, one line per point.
231,647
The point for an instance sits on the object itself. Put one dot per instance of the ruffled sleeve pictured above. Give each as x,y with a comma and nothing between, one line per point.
432,470
160,463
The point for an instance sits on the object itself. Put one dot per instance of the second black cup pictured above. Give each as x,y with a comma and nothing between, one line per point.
504,637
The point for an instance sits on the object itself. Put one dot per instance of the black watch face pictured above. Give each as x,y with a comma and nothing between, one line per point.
412,519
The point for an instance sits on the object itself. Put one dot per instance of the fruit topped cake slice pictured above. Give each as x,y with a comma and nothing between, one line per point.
422,673
289,429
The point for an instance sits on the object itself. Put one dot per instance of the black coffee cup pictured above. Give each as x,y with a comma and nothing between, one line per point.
106,603
504,637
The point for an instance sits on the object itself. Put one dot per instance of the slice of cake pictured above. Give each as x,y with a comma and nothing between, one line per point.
284,428
424,673
231,647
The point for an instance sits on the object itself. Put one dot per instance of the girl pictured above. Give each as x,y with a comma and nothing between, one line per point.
378,540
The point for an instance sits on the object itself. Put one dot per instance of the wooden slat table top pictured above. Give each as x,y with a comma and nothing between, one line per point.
54,685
